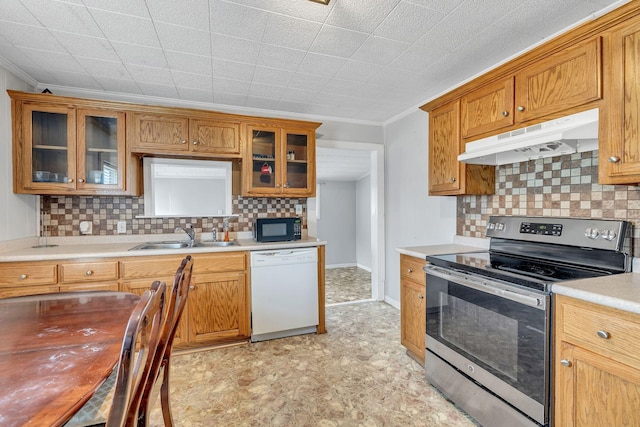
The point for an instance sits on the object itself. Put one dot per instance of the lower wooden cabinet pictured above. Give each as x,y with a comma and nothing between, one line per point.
596,365
413,305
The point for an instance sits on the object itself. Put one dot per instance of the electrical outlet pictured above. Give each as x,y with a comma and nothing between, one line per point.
86,227
298,209
122,227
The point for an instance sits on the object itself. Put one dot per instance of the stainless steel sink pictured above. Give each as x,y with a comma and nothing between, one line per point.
160,245
213,244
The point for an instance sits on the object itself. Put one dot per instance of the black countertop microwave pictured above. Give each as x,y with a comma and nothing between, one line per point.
277,229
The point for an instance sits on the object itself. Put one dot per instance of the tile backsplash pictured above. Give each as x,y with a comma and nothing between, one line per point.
563,186
62,215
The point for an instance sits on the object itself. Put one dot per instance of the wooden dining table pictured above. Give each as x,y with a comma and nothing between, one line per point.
55,351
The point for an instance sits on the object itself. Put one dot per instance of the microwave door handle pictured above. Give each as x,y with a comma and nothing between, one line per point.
487,286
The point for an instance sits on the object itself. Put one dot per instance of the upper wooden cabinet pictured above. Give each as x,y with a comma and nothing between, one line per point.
279,159
69,146
448,176
167,134
487,109
619,149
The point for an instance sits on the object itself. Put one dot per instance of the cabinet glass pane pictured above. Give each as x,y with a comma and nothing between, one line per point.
101,149
263,144
49,149
296,161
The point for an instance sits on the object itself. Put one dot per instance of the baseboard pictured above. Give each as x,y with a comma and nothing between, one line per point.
392,302
364,267
340,265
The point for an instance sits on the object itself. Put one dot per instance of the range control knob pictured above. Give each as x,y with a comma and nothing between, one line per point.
592,233
609,234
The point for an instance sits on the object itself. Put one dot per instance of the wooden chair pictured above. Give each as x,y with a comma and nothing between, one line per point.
139,345
161,363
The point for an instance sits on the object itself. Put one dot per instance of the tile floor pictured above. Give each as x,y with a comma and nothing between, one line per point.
357,374
346,284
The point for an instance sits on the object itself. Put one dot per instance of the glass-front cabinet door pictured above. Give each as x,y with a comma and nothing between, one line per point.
299,174
264,175
100,149
50,143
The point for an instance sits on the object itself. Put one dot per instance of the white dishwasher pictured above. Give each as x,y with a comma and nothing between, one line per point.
284,293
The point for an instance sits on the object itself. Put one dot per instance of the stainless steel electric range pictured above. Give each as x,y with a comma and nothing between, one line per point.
489,312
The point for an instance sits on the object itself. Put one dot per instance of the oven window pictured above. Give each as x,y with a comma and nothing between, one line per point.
463,325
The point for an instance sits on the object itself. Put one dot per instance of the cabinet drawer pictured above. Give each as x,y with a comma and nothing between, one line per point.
28,274
88,272
220,262
150,267
584,323
411,268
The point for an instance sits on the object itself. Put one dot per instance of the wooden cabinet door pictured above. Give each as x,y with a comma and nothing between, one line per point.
149,133
412,317
261,169
487,109
217,308
298,153
444,147
214,137
27,290
566,79
593,390
619,151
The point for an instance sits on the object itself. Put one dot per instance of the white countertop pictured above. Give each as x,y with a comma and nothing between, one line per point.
112,246
621,291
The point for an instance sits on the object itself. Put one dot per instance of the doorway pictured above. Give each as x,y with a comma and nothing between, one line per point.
340,166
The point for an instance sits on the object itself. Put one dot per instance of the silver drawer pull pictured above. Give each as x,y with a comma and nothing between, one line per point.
420,296
409,270
88,272
566,363
192,287
604,335
23,276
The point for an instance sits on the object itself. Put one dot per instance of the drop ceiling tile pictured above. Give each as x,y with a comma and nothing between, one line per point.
477,10
234,49
162,91
416,58
54,61
358,15
78,80
322,65
31,37
299,9
192,14
274,76
447,35
126,7
298,95
232,70
140,55
408,22
308,81
118,85
237,20
335,99
199,95
379,50
106,69
90,47
192,81
190,63
337,41
230,86
265,91
290,32
223,98
260,102
280,57
17,58
160,76
14,11
358,71
182,39
62,16
126,28
444,6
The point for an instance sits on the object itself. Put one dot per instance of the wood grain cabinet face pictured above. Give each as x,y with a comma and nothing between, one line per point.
179,135
413,305
619,152
487,109
596,365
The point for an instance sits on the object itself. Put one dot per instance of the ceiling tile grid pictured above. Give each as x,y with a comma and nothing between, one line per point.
347,60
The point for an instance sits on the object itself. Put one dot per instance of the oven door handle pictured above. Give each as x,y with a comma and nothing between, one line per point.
488,286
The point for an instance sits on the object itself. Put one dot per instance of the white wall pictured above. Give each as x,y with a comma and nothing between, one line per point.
412,217
18,212
337,223
363,223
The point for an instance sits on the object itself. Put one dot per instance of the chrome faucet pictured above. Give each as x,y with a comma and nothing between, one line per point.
191,232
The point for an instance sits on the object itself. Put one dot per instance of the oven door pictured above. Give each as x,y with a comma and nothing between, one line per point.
495,333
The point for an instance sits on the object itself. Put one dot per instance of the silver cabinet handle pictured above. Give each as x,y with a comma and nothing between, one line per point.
69,179
614,159
195,142
520,108
505,113
184,141
80,180
409,270
88,272
23,276
420,296
453,179
565,363
192,287
604,335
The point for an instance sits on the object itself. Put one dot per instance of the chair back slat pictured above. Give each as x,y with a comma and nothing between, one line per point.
139,346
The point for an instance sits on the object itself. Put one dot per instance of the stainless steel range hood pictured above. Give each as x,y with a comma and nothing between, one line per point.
570,134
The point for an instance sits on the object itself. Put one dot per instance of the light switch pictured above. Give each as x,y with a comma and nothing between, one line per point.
122,227
298,209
